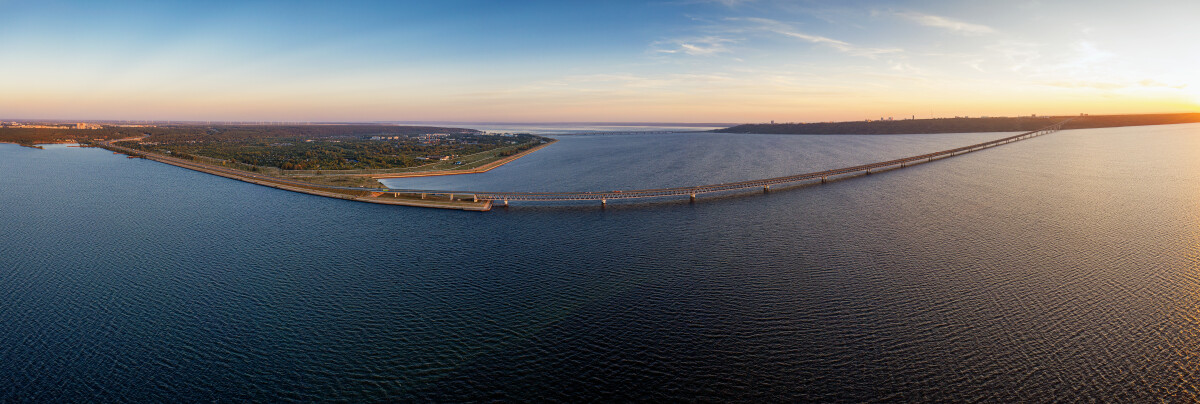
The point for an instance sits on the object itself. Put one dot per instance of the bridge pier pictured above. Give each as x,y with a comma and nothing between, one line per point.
451,197
422,195
603,203
506,203
766,188
822,180
693,198
475,198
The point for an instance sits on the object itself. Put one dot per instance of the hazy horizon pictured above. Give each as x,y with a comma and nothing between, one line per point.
731,61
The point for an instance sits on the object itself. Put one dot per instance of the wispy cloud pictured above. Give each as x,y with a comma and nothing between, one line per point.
702,46
1156,83
959,27
904,67
726,3
1096,85
1114,85
1085,60
1087,54
732,3
1016,56
780,28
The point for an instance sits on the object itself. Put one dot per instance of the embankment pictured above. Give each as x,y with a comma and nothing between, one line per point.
360,195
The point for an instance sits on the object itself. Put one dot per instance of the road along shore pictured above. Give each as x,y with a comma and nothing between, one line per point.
360,195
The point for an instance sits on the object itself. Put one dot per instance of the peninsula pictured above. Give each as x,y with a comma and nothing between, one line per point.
341,161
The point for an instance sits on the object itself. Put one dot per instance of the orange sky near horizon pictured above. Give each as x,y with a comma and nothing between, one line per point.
696,61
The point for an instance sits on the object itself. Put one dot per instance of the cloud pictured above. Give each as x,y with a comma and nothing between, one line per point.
726,3
1098,85
904,67
959,27
1115,85
731,3
1089,54
1156,83
703,46
786,30
976,64
611,81
1016,56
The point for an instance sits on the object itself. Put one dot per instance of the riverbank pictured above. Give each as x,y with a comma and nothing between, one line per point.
36,145
379,196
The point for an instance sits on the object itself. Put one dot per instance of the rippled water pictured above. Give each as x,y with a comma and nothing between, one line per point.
604,162
1061,268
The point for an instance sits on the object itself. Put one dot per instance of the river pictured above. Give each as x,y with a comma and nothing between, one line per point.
1059,268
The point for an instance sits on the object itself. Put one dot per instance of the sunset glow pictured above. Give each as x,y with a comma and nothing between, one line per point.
682,61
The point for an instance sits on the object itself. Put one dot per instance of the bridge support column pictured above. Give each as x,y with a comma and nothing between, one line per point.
603,202
822,180
422,195
451,197
506,203
693,198
766,188
475,197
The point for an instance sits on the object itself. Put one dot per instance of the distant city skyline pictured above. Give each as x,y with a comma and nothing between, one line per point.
613,61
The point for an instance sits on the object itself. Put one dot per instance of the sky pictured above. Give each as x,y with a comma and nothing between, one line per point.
722,61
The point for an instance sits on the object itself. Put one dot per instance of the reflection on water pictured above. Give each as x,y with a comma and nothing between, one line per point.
1056,269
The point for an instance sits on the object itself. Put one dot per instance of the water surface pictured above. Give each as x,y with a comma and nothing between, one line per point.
1060,268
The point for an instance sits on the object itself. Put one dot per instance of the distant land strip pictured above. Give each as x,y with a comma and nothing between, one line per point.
960,125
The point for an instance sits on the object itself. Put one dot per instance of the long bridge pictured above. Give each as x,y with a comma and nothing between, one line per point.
483,199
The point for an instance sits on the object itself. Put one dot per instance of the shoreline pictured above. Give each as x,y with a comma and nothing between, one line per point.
359,195
37,145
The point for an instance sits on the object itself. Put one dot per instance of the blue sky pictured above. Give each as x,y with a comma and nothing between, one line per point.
680,60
